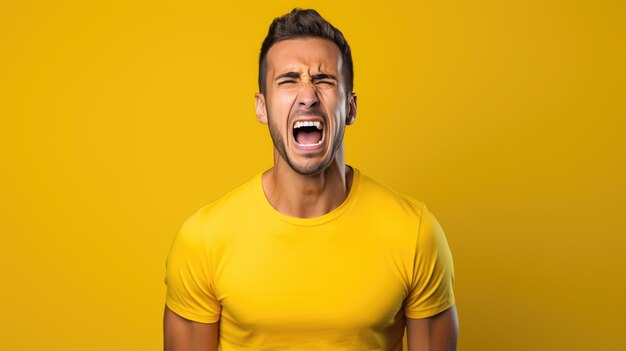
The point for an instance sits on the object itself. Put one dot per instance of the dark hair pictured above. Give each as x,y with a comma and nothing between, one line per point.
305,23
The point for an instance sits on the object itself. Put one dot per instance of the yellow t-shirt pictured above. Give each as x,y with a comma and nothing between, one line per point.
342,281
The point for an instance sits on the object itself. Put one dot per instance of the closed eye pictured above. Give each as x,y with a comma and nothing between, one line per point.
325,82
290,81
325,79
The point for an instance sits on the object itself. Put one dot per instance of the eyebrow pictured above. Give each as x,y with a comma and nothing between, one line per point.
321,76
296,75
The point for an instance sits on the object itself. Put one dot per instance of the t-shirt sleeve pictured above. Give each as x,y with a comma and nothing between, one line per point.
189,275
431,290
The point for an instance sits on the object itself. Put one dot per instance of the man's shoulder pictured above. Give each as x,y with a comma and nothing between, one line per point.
372,191
225,210
397,217
239,198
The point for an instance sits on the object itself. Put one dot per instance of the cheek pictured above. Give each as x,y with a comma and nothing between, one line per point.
281,105
334,104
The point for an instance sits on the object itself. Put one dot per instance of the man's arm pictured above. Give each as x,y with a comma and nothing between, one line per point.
181,334
436,333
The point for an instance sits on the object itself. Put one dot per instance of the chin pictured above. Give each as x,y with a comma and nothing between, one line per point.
309,168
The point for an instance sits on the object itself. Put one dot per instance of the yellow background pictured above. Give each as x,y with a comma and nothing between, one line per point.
119,119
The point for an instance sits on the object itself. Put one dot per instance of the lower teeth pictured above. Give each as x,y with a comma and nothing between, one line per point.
319,142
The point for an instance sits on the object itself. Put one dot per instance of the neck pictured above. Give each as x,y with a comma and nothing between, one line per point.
307,196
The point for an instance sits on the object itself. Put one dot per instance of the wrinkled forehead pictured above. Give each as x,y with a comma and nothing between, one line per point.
302,55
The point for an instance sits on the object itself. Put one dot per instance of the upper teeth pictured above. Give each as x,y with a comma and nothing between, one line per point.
316,124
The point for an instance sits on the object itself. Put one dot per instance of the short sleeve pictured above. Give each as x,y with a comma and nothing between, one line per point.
433,271
189,276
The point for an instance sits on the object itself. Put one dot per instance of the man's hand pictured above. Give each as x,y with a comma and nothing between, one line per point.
181,334
436,333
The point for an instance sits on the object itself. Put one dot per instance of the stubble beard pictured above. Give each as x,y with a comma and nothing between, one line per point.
279,145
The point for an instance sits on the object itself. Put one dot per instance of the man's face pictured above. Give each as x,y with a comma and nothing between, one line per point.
305,102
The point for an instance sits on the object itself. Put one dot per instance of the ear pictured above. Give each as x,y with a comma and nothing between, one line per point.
351,115
261,111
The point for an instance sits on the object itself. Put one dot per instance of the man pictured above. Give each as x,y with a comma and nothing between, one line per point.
311,254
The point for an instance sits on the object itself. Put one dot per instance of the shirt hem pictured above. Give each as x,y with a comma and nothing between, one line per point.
190,316
431,311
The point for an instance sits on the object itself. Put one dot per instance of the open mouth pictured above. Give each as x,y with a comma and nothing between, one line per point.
308,133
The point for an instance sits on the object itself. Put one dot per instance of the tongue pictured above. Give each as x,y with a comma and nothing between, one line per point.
304,138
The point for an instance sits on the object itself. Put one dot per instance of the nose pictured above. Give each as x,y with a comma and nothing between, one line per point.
307,95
